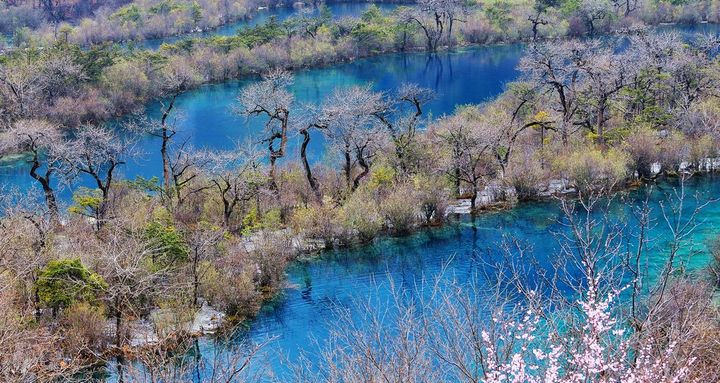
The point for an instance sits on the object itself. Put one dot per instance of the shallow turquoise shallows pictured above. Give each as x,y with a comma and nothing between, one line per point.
340,279
348,279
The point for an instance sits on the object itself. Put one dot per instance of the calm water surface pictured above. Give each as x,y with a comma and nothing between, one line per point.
316,288
307,308
205,116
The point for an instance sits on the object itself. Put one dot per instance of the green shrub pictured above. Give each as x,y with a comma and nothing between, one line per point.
317,222
432,194
66,281
87,202
253,222
166,244
230,288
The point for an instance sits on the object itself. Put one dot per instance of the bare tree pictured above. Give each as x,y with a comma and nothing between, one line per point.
202,240
472,142
512,114
23,86
175,80
433,17
554,67
537,17
349,119
122,256
593,11
272,99
185,171
403,128
312,181
27,228
228,361
234,176
98,152
46,145
606,73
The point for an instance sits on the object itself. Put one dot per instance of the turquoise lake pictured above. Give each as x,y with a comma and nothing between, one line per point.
306,308
300,318
206,119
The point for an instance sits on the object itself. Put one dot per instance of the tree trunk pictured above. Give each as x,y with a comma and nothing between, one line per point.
347,168
226,213
165,162
118,324
196,278
457,180
366,169
601,122
308,171
271,175
49,193
473,199
166,136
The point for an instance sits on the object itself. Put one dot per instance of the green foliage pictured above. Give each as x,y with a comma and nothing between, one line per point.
400,209
147,185
372,14
96,58
593,168
381,177
318,222
326,15
63,282
431,193
130,13
165,7
22,37
195,12
86,202
372,36
673,2
651,112
499,15
253,222
166,243
569,7
260,34
361,215
271,219
231,289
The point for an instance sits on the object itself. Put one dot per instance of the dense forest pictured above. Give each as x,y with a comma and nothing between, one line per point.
119,273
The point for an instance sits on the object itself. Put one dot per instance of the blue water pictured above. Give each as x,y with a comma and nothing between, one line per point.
205,116
339,10
303,311
300,318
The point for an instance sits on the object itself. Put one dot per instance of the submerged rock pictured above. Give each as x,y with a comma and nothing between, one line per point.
155,329
207,320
